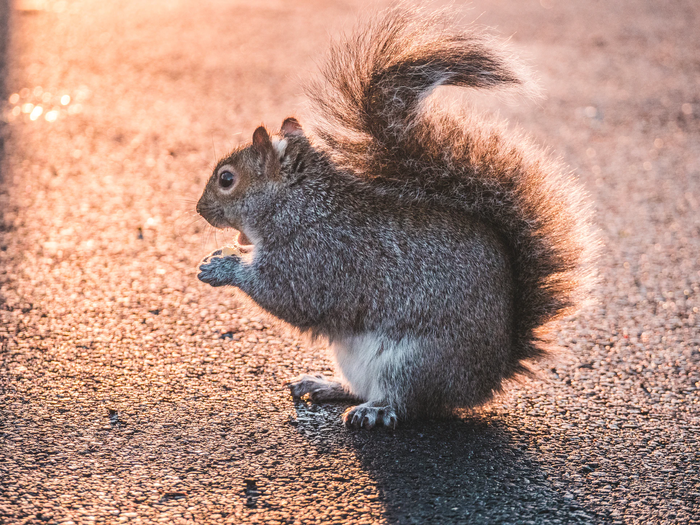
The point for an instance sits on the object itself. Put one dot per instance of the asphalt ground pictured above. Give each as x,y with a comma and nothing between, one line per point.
130,392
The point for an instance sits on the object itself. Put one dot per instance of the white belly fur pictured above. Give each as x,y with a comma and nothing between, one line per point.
365,359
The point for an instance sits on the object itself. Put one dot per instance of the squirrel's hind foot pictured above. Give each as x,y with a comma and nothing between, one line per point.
370,414
319,389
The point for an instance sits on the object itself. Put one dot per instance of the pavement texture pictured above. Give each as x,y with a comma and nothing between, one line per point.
130,392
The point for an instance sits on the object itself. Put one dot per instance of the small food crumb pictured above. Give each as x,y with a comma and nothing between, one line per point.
230,250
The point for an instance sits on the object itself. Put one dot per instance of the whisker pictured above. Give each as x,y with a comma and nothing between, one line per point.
187,214
180,227
186,200
205,238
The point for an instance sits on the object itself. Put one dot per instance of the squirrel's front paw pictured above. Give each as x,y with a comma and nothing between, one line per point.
368,415
218,269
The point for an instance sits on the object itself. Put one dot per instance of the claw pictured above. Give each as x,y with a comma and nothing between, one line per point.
319,389
368,416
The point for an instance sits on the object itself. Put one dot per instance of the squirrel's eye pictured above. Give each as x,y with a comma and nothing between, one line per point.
226,179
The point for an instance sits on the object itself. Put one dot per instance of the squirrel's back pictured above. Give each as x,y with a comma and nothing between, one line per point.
374,124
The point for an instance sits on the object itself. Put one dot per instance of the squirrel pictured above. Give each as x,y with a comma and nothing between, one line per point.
431,250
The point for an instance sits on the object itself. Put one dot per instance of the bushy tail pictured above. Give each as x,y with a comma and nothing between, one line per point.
374,81
376,126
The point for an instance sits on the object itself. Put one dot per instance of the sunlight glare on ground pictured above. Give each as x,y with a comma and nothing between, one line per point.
35,102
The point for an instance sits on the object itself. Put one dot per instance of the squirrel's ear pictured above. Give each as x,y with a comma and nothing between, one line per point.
291,126
261,140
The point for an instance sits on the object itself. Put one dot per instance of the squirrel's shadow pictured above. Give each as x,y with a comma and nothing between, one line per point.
469,470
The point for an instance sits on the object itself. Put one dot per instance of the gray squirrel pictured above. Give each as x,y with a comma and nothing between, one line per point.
430,249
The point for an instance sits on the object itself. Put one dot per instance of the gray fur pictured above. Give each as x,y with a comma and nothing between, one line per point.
429,250
320,389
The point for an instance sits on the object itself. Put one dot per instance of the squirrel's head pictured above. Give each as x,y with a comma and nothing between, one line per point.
248,178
